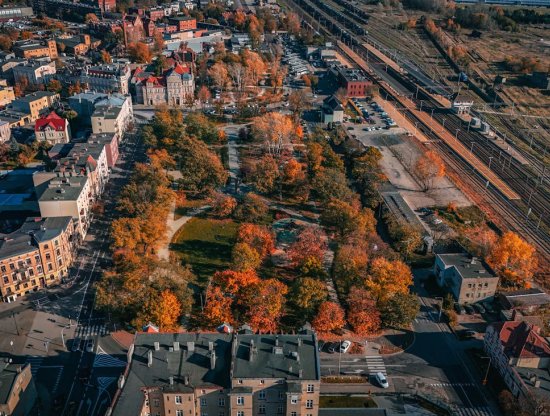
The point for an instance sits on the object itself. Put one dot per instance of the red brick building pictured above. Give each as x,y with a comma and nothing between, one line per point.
354,81
133,28
183,22
107,5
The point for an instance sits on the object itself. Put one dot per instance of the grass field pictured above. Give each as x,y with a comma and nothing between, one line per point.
205,244
345,401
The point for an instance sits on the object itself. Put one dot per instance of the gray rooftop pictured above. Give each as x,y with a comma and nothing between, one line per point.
7,377
467,266
276,356
32,232
64,189
107,112
34,96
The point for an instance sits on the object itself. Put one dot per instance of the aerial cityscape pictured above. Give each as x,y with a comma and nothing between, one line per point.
274,207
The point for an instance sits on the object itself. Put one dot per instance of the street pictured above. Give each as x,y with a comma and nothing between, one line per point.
42,328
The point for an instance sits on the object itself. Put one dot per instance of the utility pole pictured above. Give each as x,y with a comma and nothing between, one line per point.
15,322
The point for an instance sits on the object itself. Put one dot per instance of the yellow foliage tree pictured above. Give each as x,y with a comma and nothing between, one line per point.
514,259
386,278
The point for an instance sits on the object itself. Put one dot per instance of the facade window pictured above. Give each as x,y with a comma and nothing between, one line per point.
221,401
262,381
3,268
309,404
240,401
203,402
281,395
31,272
156,402
293,414
240,413
179,412
178,399
50,267
37,258
28,261
261,409
310,388
261,395
222,413
280,410
240,382
12,266
294,399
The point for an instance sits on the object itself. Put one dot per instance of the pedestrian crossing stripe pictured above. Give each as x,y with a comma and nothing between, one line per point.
104,382
91,330
57,380
35,362
473,411
375,364
102,359
452,385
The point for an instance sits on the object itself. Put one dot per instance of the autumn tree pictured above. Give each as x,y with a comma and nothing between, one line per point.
347,218
252,209
90,18
244,257
331,184
219,75
350,266
263,304
139,52
231,282
203,95
406,237
106,56
309,244
329,318
298,101
223,205
428,167
265,174
363,316
54,86
308,293
368,175
400,310
275,131
387,278
217,308
5,43
513,258
292,23
257,236
163,309
254,66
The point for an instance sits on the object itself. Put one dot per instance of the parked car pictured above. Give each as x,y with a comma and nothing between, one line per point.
320,345
470,334
332,347
75,344
469,310
459,309
382,380
345,346
479,307
90,345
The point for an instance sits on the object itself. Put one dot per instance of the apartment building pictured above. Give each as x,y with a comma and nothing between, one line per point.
34,104
77,44
53,129
183,22
5,131
243,374
17,390
35,72
33,48
113,118
7,95
111,142
354,81
172,87
35,256
86,159
522,357
68,197
467,278
107,78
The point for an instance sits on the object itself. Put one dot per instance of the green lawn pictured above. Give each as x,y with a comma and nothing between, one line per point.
206,245
345,401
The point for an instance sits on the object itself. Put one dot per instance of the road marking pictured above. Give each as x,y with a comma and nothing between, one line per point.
102,359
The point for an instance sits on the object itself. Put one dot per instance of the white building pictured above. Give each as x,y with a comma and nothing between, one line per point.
107,78
172,87
35,72
71,196
112,118
5,131
52,129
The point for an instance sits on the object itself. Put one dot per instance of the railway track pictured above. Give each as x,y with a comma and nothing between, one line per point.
514,215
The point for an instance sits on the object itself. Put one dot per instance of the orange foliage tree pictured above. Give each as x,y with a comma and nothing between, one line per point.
309,245
258,237
139,52
163,309
386,278
329,318
275,130
217,309
223,205
263,304
231,282
513,258
428,167
363,315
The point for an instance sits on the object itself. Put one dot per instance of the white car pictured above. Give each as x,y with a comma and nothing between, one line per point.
381,380
345,346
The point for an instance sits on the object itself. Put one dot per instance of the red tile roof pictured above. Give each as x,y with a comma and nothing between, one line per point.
52,120
522,340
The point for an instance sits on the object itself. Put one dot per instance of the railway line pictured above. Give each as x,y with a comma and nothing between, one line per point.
514,214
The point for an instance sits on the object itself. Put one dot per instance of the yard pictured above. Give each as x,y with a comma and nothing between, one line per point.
205,244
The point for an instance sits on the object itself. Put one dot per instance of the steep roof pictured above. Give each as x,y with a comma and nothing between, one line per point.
51,120
522,340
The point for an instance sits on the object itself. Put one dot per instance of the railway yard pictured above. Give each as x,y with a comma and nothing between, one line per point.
507,177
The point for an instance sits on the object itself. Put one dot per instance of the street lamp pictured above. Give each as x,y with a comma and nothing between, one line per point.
440,299
472,147
490,160
443,123
456,134
488,367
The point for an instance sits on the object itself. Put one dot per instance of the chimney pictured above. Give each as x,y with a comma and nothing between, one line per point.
176,346
210,346
149,358
212,360
300,373
157,346
190,346
186,380
277,340
171,380
299,341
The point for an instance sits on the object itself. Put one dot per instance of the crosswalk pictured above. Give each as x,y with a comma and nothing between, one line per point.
104,382
375,364
102,359
452,385
35,362
84,331
473,411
